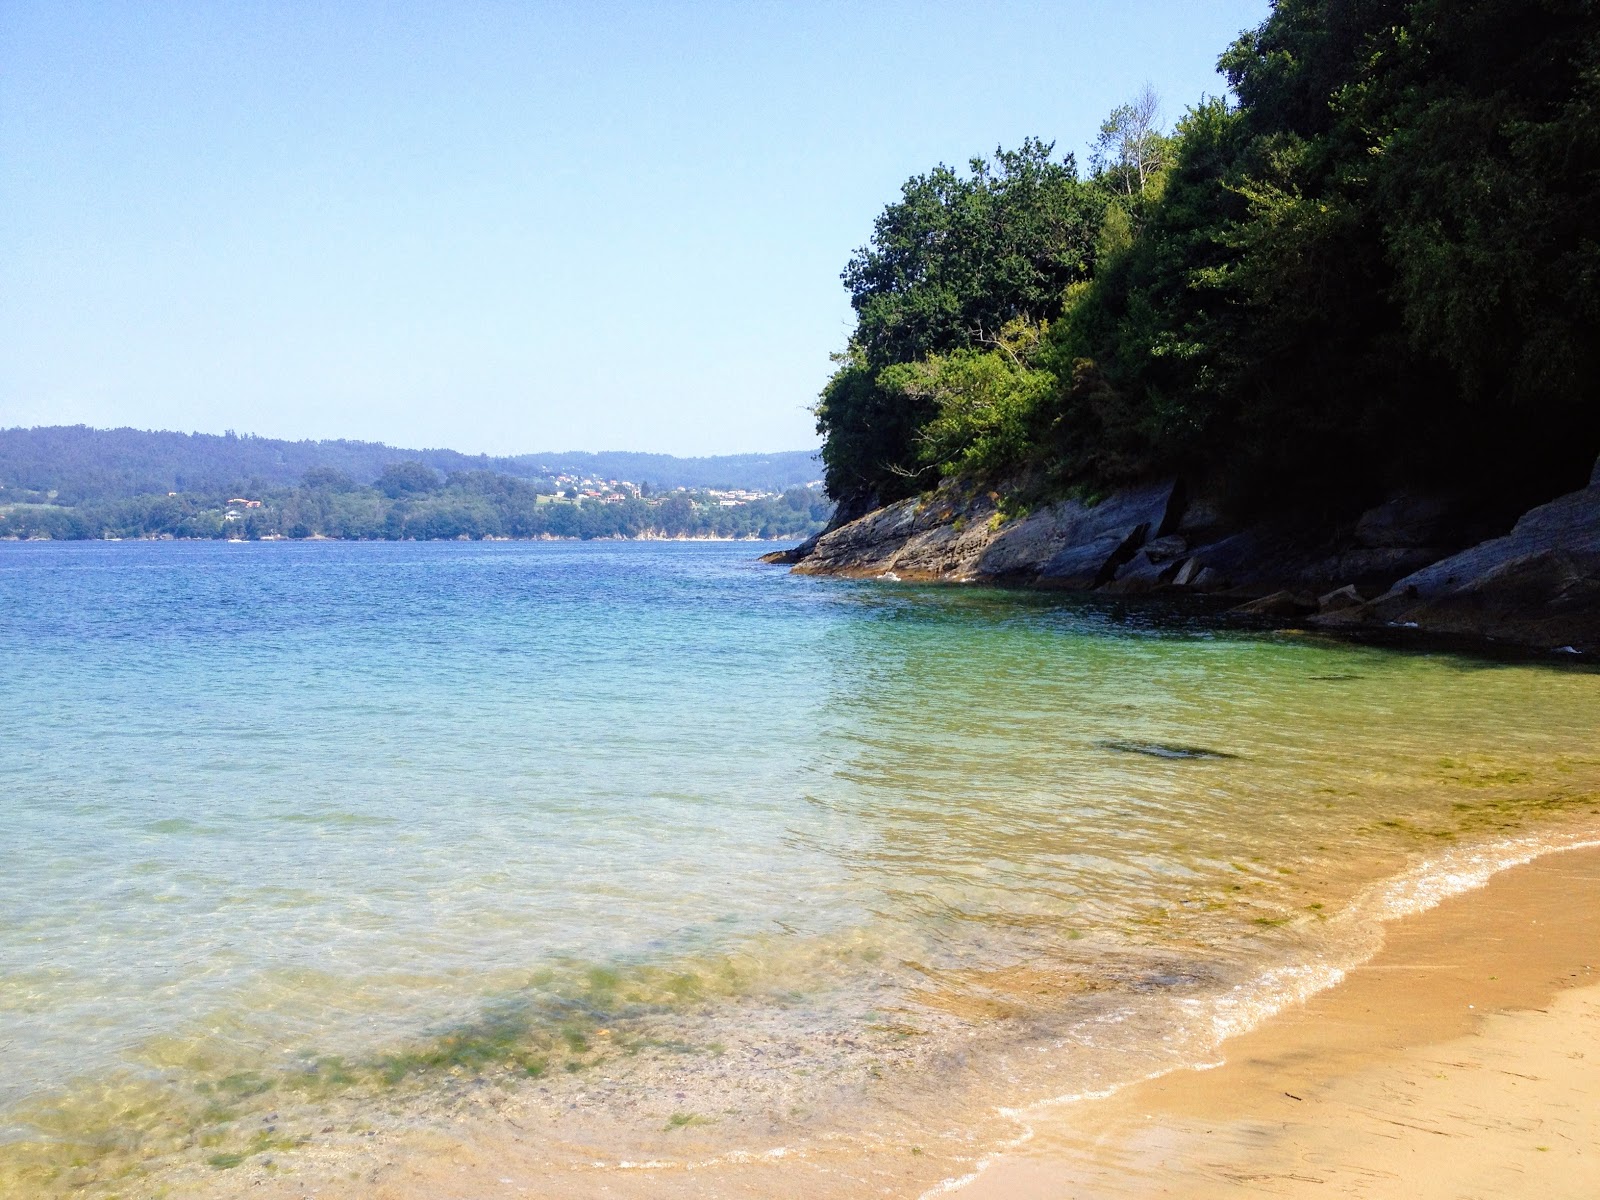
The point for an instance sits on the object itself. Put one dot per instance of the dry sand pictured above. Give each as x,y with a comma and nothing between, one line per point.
1462,1061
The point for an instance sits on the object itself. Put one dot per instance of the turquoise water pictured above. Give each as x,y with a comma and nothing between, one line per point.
274,806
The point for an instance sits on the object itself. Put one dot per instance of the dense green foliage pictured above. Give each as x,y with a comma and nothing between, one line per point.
412,501
951,265
1378,266
78,464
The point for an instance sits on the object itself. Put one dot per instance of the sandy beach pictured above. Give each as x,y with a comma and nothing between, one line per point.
1462,1061
1459,1062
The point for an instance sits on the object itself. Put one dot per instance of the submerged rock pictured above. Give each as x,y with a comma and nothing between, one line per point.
1162,749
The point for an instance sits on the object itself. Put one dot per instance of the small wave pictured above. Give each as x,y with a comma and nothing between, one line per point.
1439,877
338,819
1245,1007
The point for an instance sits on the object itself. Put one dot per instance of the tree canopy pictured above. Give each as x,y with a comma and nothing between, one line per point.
950,265
1377,264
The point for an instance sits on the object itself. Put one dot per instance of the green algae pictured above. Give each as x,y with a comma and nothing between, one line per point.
684,1120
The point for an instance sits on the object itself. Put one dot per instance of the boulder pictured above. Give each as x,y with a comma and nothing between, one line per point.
1194,575
1278,604
961,535
1097,539
1168,548
1375,569
1539,585
865,546
1087,565
1341,598
1408,521
947,544
795,553
1187,570
1142,573
1264,558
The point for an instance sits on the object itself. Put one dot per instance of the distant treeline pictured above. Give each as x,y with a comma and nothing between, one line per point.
410,500
80,464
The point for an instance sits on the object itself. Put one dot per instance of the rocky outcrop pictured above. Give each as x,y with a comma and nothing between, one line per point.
1538,585
959,536
1431,561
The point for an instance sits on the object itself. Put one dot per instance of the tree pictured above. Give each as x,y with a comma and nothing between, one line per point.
329,478
1377,269
949,265
407,479
1131,151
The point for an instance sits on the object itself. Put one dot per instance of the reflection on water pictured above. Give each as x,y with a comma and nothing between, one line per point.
330,832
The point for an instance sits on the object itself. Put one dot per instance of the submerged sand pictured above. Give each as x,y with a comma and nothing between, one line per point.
1462,1061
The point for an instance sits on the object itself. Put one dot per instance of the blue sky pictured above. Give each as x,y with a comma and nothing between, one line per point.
501,227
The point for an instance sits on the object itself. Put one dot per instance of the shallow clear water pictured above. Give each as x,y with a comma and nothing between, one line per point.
274,806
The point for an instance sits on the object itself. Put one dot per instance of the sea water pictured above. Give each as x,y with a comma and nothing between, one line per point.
660,840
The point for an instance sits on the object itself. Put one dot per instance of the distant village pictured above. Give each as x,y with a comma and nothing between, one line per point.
615,491
410,501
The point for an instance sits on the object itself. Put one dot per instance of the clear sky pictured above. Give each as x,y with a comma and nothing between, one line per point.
501,227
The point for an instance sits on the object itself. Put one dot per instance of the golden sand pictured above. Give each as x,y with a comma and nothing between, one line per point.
1462,1061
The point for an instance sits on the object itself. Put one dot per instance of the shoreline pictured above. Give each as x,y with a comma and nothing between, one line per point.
1458,1060
1340,1091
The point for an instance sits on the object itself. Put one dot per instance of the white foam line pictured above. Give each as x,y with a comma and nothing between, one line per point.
1436,880
1404,895
673,1164
1021,1115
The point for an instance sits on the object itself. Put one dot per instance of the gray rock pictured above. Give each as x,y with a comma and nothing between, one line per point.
1266,558
865,546
1539,585
1172,546
1278,604
1374,570
1141,573
1569,524
1021,546
1187,570
1102,537
1409,521
1341,598
962,536
1087,565
795,553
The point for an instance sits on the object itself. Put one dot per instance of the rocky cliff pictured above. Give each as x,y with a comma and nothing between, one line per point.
1428,561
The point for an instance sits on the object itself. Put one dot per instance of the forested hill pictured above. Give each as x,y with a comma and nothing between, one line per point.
1374,266
80,464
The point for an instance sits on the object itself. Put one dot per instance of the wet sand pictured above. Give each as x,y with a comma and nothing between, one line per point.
1462,1061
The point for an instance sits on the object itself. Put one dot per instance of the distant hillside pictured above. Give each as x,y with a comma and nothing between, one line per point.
80,463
